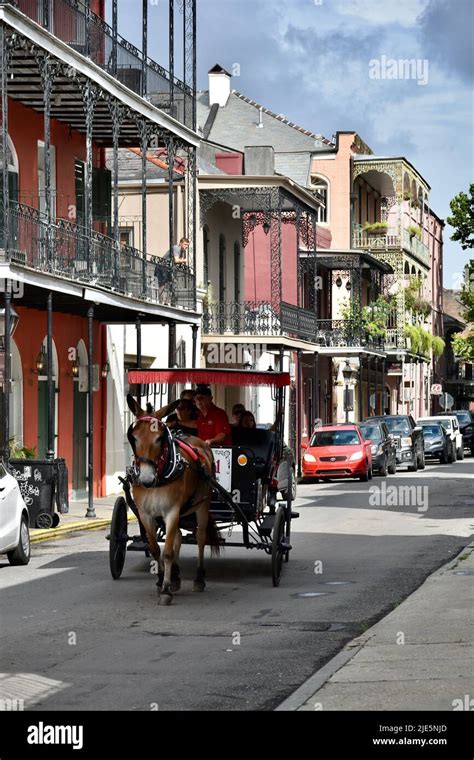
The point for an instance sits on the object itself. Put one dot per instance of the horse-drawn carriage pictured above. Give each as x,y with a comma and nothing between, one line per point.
242,483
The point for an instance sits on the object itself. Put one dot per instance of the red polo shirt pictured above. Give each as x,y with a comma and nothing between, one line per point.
215,422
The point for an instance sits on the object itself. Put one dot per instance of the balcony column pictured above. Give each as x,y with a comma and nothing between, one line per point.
192,195
87,13
46,14
47,70
299,408
189,56
144,46
90,413
360,396
315,269
5,387
368,385
4,63
195,330
114,36
384,403
117,113
90,95
171,215
275,211
51,390
145,133
315,390
138,329
171,52
376,385
172,358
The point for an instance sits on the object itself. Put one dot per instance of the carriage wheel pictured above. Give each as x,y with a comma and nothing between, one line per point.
118,538
278,549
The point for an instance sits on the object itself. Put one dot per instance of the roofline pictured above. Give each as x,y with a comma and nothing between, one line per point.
275,180
358,158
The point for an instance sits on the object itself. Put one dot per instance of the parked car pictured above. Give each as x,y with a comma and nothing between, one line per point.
384,450
451,425
408,437
338,451
438,444
466,424
14,521
287,459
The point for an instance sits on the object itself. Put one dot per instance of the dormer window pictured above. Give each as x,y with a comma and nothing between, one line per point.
321,186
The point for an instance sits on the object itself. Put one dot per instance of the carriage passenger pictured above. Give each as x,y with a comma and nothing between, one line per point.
247,420
237,412
212,423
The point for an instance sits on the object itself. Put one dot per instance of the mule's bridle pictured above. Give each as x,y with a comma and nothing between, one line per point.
167,466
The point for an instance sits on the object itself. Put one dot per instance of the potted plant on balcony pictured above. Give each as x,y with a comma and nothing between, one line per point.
414,231
375,228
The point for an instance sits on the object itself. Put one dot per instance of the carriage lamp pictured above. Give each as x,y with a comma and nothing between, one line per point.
75,368
40,362
338,282
348,285
266,228
105,370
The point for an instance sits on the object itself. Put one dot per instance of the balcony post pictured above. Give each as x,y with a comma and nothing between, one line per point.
376,383
46,14
192,207
144,132
195,329
315,389
90,413
368,385
116,113
171,52
87,20
4,141
47,70
5,387
384,404
144,89
90,95
172,358
171,153
50,382
359,388
114,36
275,210
299,408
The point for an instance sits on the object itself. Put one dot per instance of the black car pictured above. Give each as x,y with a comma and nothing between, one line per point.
384,450
408,437
466,426
438,444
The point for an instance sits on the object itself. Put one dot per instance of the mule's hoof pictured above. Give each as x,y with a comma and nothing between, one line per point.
176,584
165,599
199,586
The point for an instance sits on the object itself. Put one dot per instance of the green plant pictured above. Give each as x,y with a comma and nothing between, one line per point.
376,228
421,307
412,292
407,195
415,203
413,334
414,231
437,345
16,451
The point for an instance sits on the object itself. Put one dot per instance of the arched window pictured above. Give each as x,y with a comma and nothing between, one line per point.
236,271
320,185
205,242
12,160
222,268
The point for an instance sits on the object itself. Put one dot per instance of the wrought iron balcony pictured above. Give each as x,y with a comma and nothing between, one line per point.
62,249
342,333
391,241
258,318
91,36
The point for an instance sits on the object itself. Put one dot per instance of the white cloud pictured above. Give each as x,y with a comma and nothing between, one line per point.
403,12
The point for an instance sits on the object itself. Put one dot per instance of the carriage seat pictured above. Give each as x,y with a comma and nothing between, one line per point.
260,441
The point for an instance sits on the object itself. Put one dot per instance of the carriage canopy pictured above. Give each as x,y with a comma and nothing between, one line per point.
208,377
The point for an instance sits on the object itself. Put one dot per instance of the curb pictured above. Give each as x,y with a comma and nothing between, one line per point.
50,534
315,682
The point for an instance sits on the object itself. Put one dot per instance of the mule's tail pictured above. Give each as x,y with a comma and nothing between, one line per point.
213,537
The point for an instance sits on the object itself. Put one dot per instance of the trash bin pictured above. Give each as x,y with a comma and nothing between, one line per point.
44,485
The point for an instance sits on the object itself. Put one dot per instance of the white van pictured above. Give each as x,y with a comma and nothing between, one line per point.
451,425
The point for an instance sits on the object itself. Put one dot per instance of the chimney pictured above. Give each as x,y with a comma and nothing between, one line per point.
219,86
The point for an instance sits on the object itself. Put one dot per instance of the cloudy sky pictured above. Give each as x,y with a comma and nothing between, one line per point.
310,60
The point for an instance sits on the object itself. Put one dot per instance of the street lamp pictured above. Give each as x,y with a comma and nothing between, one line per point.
13,325
347,375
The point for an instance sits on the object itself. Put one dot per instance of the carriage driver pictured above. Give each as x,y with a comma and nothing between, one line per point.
212,423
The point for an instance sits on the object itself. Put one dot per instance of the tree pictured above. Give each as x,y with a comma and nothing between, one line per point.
462,207
463,346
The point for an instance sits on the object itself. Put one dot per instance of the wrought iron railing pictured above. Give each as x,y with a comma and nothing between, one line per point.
344,333
379,242
299,322
63,249
241,318
94,38
416,247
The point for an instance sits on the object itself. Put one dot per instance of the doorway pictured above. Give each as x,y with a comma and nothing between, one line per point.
80,435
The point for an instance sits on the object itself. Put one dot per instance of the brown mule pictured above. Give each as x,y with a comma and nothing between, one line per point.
171,487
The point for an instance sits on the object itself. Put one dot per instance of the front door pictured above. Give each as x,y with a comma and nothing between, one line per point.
79,468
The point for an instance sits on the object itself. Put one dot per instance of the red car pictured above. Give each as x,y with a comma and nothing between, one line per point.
337,451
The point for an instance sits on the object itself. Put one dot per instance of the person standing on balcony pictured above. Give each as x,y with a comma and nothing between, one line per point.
177,254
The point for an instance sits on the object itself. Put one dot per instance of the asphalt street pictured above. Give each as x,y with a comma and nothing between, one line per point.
73,638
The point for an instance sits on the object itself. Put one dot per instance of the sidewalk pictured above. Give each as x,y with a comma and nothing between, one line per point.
76,519
419,657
